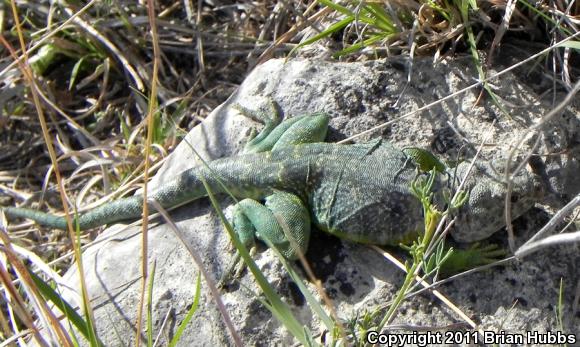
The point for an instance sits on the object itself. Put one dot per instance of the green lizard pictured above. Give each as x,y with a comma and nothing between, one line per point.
358,192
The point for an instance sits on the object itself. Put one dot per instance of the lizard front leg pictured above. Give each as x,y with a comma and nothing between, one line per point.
309,128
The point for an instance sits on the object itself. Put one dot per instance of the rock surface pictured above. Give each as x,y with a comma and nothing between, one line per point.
358,96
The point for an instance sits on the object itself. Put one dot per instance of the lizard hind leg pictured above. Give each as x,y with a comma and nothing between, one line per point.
283,221
476,255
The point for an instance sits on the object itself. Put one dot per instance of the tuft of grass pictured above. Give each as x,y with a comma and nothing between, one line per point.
423,191
376,25
85,327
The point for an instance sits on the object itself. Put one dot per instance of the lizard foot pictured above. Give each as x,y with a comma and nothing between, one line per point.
472,257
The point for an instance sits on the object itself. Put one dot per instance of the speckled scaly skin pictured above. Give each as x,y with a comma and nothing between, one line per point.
359,192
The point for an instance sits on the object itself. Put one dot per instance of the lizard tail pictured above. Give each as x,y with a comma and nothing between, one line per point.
187,186
124,209
237,177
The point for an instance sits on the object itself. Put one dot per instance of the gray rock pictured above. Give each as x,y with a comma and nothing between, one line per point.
358,96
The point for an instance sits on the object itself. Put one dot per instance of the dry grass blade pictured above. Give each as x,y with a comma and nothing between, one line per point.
25,68
503,27
17,305
112,47
199,262
508,172
46,37
428,286
572,237
51,324
463,90
152,107
533,246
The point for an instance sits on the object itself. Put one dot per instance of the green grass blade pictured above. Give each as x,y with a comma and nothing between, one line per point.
190,313
75,72
71,314
546,17
329,31
314,304
570,44
380,18
337,7
279,308
373,15
359,45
